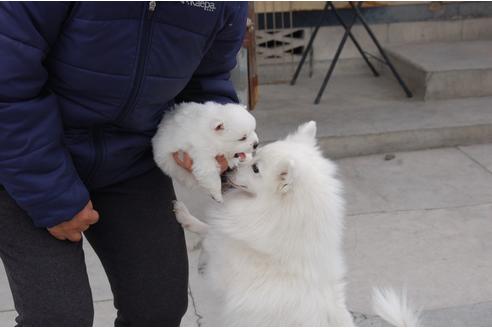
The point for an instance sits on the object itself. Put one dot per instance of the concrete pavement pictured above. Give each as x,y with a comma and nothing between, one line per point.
363,115
422,220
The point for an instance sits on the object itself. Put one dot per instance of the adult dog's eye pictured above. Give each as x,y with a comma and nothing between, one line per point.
255,168
243,138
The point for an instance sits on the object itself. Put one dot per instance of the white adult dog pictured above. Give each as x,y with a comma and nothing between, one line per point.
273,249
204,131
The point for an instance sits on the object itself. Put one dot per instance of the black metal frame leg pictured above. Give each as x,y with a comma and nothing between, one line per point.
355,5
329,4
335,58
310,44
354,40
381,50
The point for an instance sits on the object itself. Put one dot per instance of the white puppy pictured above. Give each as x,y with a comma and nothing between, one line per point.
204,131
273,249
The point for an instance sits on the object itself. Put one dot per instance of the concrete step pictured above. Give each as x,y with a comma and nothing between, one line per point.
444,70
363,115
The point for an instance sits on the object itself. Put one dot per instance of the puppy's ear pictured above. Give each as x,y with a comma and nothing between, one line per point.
305,132
217,126
286,172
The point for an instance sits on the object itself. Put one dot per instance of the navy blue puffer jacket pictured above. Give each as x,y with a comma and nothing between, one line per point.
84,85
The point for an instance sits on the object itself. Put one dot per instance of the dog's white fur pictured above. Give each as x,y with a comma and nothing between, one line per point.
273,249
203,131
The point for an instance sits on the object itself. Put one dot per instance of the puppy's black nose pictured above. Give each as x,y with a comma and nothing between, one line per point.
255,145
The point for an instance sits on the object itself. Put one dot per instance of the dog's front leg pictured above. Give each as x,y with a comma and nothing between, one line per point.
187,220
338,313
192,224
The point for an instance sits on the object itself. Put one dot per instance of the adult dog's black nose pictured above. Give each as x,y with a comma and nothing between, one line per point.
255,145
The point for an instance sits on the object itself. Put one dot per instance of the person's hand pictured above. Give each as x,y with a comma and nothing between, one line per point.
72,230
222,162
187,163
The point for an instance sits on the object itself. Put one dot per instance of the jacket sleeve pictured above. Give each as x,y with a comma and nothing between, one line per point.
211,80
35,167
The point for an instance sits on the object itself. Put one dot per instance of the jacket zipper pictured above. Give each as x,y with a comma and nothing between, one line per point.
97,132
142,58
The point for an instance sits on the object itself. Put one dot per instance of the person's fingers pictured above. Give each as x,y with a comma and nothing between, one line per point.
65,233
221,159
74,236
56,234
96,216
89,220
92,217
222,162
64,226
84,227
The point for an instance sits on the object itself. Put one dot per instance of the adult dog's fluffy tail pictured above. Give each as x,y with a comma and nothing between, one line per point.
394,308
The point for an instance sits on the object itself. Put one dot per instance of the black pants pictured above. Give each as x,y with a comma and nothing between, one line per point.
138,240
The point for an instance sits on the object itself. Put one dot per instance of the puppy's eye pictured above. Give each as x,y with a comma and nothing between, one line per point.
243,138
255,168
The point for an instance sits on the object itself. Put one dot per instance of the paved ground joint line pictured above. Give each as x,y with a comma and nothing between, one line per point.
7,310
455,306
103,300
474,160
419,209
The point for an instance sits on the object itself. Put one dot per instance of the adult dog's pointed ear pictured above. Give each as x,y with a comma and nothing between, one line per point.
286,173
306,132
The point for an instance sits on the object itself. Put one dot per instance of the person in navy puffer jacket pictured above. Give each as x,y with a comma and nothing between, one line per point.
83,86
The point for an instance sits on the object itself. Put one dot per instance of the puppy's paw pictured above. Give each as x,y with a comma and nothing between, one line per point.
193,241
182,213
